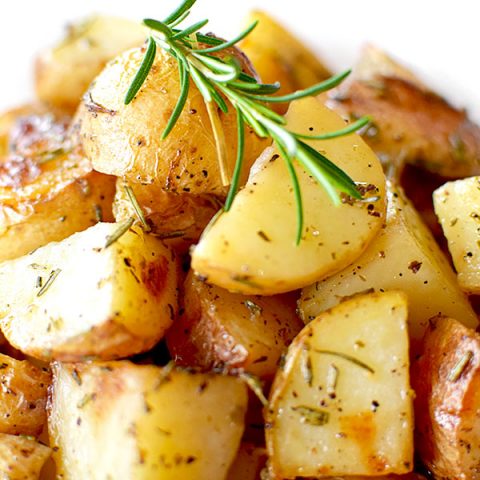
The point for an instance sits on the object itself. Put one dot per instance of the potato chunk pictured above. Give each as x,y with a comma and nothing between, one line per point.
21,458
80,298
342,404
23,397
177,218
248,464
222,329
120,420
446,380
457,205
251,249
64,72
404,256
293,65
126,140
42,203
411,123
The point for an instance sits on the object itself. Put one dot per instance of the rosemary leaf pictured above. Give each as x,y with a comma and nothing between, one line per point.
119,232
460,367
53,275
185,6
312,416
136,206
189,30
255,385
239,162
346,357
143,71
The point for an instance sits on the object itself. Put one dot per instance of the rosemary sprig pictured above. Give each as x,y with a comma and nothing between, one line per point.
222,84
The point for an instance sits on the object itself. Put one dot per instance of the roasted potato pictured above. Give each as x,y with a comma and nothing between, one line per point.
120,420
293,65
342,404
411,123
446,379
179,219
457,205
48,189
126,140
81,298
23,397
222,329
21,457
64,72
404,256
251,249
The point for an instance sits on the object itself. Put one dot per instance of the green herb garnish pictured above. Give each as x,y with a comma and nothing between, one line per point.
221,79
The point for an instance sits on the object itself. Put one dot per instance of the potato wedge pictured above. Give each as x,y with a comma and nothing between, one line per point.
411,123
404,256
126,140
21,458
23,397
64,72
79,298
222,329
342,404
42,203
179,219
120,420
457,205
446,380
294,65
251,249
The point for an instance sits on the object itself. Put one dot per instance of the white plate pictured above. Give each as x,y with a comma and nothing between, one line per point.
438,39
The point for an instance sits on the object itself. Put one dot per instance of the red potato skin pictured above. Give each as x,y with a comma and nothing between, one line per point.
446,379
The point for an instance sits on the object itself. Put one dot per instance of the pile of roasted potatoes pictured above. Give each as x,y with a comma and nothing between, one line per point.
140,339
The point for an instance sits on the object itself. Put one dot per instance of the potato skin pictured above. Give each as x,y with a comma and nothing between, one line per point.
219,329
64,72
23,397
179,219
411,123
125,140
446,380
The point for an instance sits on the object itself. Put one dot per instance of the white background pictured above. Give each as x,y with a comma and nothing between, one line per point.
439,39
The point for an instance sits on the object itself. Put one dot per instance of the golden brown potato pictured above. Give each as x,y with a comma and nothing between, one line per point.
446,380
293,64
179,219
457,205
45,202
222,329
404,256
64,72
251,248
23,397
410,123
123,421
342,403
125,140
81,298
21,458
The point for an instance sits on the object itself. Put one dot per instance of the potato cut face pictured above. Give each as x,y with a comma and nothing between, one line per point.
294,65
23,397
21,458
446,379
222,329
251,249
405,257
64,72
77,299
342,404
457,205
144,422
129,142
